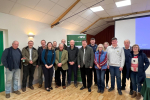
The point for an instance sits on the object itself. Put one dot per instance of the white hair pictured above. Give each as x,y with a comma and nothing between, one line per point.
14,41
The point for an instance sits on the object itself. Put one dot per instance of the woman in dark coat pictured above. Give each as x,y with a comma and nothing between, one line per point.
138,63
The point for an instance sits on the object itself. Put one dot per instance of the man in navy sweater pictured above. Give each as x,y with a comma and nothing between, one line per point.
127,50
94,47
11,59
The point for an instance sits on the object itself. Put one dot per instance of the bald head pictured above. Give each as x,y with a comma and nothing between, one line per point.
127,43
15,44
72,43
63,41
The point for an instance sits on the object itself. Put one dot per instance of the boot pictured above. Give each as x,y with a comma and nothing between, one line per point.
134,94
138,96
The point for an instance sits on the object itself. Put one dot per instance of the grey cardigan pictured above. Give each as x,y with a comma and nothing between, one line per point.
89,57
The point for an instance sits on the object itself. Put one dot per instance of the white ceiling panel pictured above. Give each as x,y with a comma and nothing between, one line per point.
66,4
6,6
48,19
56,11
44,5
35,15
28,3
20,10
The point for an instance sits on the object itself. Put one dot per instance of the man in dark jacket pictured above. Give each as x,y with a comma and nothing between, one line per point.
11,59
72,62
127,50
64,41
94,47
85,63
31,55
40,63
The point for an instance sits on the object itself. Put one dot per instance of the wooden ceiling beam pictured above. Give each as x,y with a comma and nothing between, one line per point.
59,18
115,16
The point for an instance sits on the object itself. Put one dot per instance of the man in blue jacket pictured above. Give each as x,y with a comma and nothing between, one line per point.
11,59
94,47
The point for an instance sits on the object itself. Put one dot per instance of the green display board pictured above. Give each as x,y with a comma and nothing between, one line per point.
2,79
78,42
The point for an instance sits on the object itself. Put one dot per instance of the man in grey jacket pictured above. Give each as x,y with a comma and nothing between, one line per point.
85,63
116,60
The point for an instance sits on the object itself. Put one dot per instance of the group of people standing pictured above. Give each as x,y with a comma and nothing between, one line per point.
92,59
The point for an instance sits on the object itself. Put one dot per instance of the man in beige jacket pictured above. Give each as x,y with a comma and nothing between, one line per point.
30,55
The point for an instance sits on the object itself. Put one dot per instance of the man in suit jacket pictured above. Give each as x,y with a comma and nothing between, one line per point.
61,65
85,63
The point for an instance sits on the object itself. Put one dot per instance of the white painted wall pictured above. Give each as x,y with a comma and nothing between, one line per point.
16,28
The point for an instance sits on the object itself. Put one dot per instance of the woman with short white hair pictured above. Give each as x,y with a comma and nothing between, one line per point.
100,61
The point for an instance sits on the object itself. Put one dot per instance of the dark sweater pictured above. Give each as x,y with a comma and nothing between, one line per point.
93,47
16,58
8,59
49,57
39,61
127,53
72,54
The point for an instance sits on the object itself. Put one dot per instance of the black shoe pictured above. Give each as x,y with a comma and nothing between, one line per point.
89,89
51,88
76,85
119,92
111,89
98,91
122,88
48,89
102,91
82,88
131,92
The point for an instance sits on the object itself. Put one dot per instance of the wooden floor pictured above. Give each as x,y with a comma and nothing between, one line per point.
70,93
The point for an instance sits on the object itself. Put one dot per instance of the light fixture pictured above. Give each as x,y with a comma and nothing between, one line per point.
123,3
31,35
95,9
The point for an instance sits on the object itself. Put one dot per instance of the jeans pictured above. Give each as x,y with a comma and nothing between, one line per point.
57,73
28,70
100,79
40,74
12,75
73,68
48,74
135,84
114,71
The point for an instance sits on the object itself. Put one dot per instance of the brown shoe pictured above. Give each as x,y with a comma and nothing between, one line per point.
57,86
8,95
134,94
23,89
138,96
64,87
17,92
31,87
39,86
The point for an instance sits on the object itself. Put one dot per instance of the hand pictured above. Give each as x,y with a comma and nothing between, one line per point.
60,64
30,62
107,67
120,68
37,66
23,58
78,66
100,67
72,63
46,66
90,67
